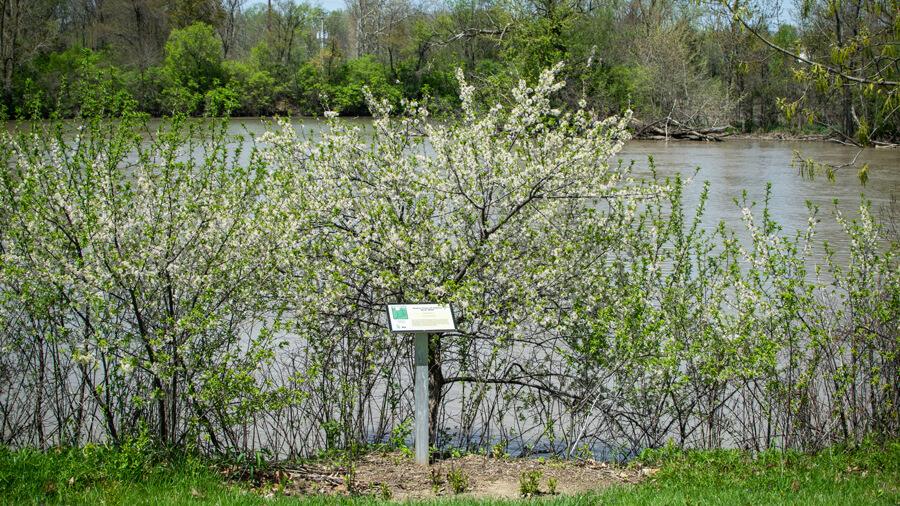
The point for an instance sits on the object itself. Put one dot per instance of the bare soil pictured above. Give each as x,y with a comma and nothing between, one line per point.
396,476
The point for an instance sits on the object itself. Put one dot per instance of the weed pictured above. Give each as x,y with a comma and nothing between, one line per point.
436,478
584,452
436,481
384,492
333,430
530,483
551,485
399,435
498,451
249,465
458,479
350,478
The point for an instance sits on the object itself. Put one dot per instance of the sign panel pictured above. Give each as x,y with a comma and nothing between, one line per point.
421,318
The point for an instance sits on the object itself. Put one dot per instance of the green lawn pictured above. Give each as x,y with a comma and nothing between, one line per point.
96,475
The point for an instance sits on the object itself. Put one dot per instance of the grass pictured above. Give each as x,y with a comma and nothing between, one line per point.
869,474
134,474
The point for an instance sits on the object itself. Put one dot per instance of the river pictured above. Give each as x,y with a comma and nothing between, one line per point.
734,166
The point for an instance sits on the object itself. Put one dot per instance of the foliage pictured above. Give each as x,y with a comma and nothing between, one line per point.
173,281
161,256
347,93
827,67
193,66
458,480
530,483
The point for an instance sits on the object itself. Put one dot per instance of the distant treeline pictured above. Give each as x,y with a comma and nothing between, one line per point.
832,66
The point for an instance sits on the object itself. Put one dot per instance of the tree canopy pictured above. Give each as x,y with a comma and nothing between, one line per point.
826,66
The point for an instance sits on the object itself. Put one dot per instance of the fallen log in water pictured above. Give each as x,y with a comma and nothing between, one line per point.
672,129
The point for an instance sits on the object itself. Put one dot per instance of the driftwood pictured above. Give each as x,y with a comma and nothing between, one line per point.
669,128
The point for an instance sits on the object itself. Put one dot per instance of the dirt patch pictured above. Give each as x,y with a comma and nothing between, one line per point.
397,476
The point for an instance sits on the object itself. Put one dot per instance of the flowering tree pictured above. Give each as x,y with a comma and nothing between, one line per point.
497,214
137,268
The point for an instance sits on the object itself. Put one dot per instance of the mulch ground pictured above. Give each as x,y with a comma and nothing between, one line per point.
396,476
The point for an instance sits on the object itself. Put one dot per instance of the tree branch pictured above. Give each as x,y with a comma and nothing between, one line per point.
832,70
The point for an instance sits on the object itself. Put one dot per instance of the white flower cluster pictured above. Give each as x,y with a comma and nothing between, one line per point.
492,213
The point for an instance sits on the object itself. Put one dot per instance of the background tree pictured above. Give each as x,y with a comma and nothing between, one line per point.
847,60
228,28
26,29
192,67
828,67
136,31
187,12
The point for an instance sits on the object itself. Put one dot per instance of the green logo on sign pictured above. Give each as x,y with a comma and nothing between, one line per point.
400,313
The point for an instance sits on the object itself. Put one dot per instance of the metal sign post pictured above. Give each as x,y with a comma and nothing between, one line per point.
421,398
421,319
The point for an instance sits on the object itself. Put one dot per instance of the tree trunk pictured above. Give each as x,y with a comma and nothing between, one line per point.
435,387
39,394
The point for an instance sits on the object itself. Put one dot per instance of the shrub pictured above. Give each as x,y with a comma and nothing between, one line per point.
154,279
221,101
192,66
530,483
347,90
163,260
458,480
256,89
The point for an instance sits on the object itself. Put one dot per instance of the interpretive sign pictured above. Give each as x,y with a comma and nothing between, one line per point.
421,318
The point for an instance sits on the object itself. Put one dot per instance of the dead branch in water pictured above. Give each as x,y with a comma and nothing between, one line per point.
669,128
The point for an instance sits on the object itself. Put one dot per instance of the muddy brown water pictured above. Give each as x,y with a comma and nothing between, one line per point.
738,165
